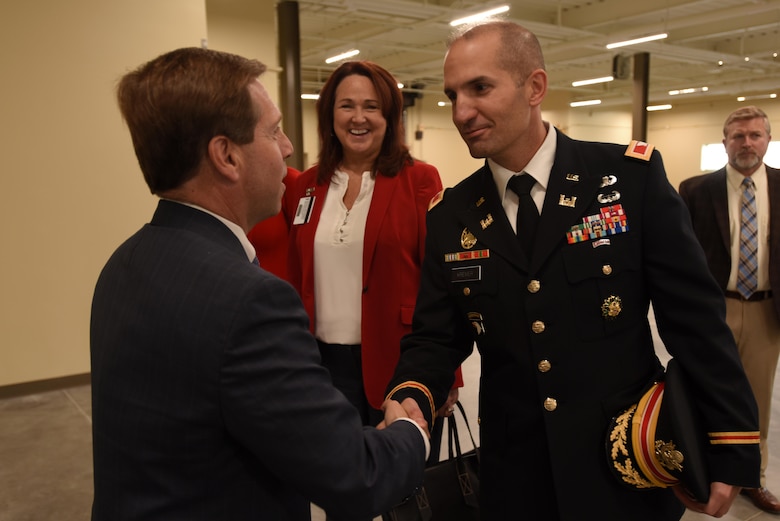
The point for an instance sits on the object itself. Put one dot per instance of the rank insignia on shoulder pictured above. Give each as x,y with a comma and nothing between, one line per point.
436,200
639,150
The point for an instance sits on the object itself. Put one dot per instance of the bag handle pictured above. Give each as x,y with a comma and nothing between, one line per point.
452,427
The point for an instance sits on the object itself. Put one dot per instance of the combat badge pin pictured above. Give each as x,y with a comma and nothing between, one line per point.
608,198
608,180
467,239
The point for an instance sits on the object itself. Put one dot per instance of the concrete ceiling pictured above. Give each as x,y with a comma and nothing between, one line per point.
408,38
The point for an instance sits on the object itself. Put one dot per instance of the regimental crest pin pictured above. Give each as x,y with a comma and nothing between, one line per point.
467,239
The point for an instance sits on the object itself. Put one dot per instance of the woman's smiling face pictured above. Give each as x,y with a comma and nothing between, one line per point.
357,119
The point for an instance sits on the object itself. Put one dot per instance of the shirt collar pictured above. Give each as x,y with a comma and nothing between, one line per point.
539,166
735,178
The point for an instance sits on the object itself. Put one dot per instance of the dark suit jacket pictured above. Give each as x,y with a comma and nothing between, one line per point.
555,366
393,249
707,200
209,400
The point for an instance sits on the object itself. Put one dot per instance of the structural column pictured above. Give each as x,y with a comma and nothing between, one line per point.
290,95
641,82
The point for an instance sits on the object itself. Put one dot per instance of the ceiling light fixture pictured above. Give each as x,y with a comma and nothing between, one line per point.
603,79
635,41
759,96
480,16
653,108
689,90
585,103
343,56
310,96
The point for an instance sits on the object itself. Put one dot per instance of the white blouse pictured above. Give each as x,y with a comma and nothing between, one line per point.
338,262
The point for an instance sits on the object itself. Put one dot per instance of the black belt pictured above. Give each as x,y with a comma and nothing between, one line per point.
755,297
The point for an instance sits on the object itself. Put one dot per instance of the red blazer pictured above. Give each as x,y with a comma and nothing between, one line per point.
269,236
392,257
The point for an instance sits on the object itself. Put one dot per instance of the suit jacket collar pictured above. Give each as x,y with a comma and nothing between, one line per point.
715,186
171,214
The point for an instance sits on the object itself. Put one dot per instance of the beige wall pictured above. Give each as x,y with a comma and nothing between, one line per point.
72,188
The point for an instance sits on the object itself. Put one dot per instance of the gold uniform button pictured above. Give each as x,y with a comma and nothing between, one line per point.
534,286
606,269
467,291
537,326
550,404
544,366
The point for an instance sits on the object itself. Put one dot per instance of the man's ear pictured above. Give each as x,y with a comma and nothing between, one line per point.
537,84
225,156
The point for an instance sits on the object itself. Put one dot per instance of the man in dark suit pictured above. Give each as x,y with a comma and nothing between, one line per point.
208,397
562,326
715,204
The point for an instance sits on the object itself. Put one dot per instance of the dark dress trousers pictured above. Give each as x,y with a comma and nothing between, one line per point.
707,199
564,336
209,400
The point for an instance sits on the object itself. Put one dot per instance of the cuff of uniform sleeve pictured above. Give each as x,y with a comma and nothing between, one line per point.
422,433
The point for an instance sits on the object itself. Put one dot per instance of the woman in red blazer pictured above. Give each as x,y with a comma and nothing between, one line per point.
270,236
357,233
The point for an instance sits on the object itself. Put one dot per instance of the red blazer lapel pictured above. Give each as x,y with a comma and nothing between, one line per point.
380,200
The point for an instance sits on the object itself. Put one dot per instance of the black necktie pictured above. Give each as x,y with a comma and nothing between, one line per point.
527,214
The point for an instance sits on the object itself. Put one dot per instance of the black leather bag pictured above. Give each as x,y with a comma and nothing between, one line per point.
450,490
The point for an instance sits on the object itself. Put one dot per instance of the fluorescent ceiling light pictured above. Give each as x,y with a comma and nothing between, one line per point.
343,56
585,103
653,108
759,96
637,40
480,16
689,90
591,81
310,96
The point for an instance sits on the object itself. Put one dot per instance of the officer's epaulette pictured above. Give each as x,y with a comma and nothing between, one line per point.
436,200
640,150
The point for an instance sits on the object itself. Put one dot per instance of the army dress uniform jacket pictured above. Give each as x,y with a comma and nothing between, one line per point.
706,196
564,336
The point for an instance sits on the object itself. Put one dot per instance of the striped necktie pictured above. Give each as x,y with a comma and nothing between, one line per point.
747,276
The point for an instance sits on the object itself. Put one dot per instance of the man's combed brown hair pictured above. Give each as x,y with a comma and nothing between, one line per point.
175,104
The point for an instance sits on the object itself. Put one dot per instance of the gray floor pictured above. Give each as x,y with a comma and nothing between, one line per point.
46,465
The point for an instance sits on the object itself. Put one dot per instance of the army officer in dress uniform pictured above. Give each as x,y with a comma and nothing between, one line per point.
562,328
